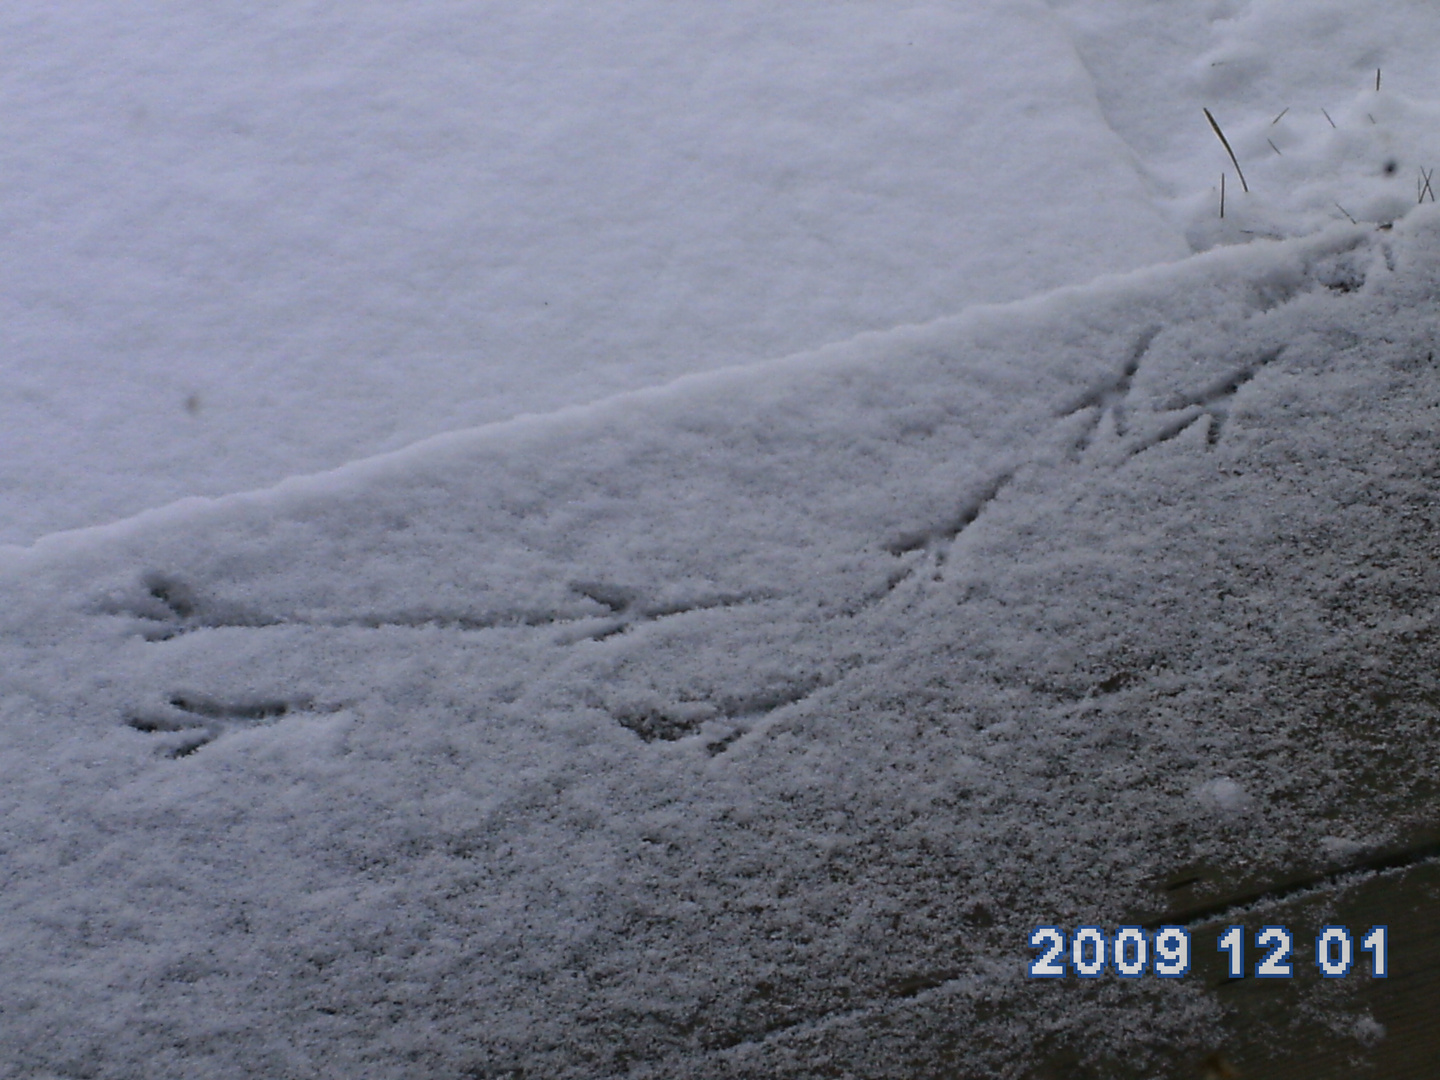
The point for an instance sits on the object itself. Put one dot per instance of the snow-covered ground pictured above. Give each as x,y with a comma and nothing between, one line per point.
739,725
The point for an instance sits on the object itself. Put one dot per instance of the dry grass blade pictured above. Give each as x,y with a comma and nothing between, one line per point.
1226,143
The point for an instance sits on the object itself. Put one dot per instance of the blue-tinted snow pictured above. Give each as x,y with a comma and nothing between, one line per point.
244,241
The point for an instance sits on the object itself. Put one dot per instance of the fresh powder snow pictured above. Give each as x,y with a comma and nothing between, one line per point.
251,240
985,526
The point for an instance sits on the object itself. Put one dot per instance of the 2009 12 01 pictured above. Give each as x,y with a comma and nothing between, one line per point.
1090,951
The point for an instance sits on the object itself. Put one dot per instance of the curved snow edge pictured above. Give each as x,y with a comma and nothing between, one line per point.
1258,259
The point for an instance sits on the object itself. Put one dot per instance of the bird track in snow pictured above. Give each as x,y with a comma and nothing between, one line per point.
191,721
171,606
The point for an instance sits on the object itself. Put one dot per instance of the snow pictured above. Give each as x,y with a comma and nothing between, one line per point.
1293,87
248,241
745,722
1223,795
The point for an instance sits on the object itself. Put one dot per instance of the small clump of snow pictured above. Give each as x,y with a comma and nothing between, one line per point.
1369,1030
1339,848
1223,795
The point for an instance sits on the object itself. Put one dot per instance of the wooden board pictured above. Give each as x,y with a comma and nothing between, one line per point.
1307,1027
